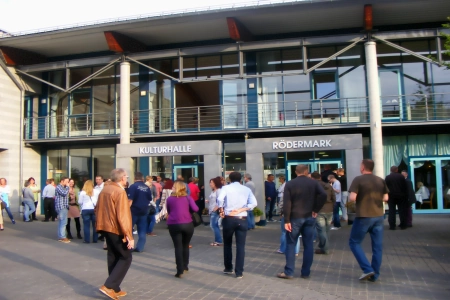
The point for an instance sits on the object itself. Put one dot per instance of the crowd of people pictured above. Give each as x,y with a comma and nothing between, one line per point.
308,206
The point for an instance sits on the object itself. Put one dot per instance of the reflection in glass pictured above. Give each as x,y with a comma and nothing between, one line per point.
445,175
425,184
270,99
390,89
103,161
57,164
234,100
80,166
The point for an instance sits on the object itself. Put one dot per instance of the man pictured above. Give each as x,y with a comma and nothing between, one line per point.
324,216
235,200
114,221
159,189
396,184
303,199
326,171
250,216
48,194
62,208
336,185
411,198
160,181
280,190
99,184
344,193
369,192
271,196
140,196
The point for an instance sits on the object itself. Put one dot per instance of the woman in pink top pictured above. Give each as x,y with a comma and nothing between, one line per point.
179,207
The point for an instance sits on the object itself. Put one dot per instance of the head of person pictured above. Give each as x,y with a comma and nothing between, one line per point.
405,173
419,184
281,179
302,170
168,184
341,172
331,178
327,167
88,187
247,177
270,177
180,177
71,182
47,181
119,176
192,180
235,177
179,189
394,169
367,166
98,180
158,178
31,180
215,183
138,176
27,183
3,181
224,182
316,175
64,181
154,178
147,178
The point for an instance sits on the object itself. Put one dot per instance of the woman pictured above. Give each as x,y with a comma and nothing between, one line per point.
167,191
87,202
74,210
5,191
28,201
1,217
181,229
36,190
215,185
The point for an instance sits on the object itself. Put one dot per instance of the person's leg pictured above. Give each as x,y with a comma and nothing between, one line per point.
151,221
250,219
62,222
94,230
376,235
392,211
282,237
214,224
177,239
272,206
141,222
228,231
307,231
409,216
123,257
47,202
321,232
34,212
291,241
336,219
78,227
53,210
10,215
241,235
403,211
344,200
187,233
267,210
26,212
359,229
86,215
69,234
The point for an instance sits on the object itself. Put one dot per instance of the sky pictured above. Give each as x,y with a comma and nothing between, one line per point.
25,15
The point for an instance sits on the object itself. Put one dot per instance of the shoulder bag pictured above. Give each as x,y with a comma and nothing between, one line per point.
196,220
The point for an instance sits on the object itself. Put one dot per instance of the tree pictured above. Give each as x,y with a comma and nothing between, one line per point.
446,44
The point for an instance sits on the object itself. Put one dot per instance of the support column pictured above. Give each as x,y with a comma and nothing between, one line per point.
373,86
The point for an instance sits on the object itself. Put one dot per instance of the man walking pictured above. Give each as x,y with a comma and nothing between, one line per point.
369,192
344,192
324,216
396,184
271,196
336,185
62,208
114,221
250,216
140,195
303,199
234,201
48,194
411,198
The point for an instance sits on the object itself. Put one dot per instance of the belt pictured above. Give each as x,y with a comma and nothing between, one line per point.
236,217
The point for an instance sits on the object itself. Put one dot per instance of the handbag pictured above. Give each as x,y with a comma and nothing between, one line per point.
152,210
196,220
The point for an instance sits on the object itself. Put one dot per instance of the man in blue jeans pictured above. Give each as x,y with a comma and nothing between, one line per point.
369,192
303,198
140,196
62,208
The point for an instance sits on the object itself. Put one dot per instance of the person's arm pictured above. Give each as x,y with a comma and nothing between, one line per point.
385,197
333,195
320,199
81,198
221,197
192,205
130,194
337,190
124,217
266,191
44,192
352,197
287,205
62,191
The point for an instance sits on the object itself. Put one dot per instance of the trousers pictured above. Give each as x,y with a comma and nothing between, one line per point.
118,259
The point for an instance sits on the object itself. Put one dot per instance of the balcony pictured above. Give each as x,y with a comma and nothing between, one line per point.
258,116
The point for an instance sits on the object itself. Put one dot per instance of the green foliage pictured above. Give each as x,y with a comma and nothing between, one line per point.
446,44
257,212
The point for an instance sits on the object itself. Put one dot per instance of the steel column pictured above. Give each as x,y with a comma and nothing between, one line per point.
124,102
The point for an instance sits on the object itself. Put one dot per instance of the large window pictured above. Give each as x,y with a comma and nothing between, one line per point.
234,103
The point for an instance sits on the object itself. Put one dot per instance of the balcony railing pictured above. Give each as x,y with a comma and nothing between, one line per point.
250,116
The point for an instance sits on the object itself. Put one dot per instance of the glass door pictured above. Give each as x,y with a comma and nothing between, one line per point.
186,171
334,165
430,177
391,91
80,108
291,165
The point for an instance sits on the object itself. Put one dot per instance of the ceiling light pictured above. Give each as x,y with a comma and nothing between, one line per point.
238,158
280,156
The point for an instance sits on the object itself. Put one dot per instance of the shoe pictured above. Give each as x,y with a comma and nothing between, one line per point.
135,232
121,294
64,240
1,229
228,272
271,220
45,221
305,277
403,227
29,221
69,236
13,221
53,220
179,275
151,234
319,251
408,225
105,248
79,236
186,269
239,276
366,275
335,228
108,292
372,279
279,251
284,276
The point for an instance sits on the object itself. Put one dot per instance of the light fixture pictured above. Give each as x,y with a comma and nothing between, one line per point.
226,156
280,156
325,155
143,93
321,152
237,158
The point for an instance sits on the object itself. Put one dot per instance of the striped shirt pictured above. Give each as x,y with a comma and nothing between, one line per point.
61,197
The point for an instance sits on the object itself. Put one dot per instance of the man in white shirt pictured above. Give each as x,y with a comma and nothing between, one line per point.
99,184
234,201
337,189
48,195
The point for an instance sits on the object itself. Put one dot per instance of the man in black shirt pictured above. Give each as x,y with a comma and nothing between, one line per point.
396,184
303,199
326,171
411,198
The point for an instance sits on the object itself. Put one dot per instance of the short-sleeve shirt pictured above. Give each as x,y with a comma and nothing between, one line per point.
370,190
195,191
141,196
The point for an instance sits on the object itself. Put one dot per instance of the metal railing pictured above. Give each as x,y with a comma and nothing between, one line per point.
251,116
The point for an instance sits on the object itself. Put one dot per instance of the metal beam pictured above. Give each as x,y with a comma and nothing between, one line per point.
180,66
241,63
334,55
438,49
305,59
41,80
407,51
153,69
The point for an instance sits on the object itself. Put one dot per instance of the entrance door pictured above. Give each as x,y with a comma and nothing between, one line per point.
291,165
334,165
431,181
186,171
391,91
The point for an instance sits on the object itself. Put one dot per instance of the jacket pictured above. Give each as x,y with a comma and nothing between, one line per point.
331,197
113,211
396,184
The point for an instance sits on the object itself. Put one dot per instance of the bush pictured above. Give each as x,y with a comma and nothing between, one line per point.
205,211
257,212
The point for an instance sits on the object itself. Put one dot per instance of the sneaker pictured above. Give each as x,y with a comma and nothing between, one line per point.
271,220
239,276
228,272
64,240
366,275
284,276
13,221
109,292
135,232
335,228
371,279
279,251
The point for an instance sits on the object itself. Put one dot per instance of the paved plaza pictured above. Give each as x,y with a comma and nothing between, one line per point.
416,265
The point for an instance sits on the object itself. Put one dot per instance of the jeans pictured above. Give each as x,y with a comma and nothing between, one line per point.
336,219
323,229
373,226
158,202
62,222
49,209
141,222
305,227
283,239
250,219
29,209
151,221
344,200
88,216
119,260
270,205
239,228
10,215
214,224
181,235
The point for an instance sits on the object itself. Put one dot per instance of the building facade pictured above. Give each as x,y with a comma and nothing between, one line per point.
255,89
